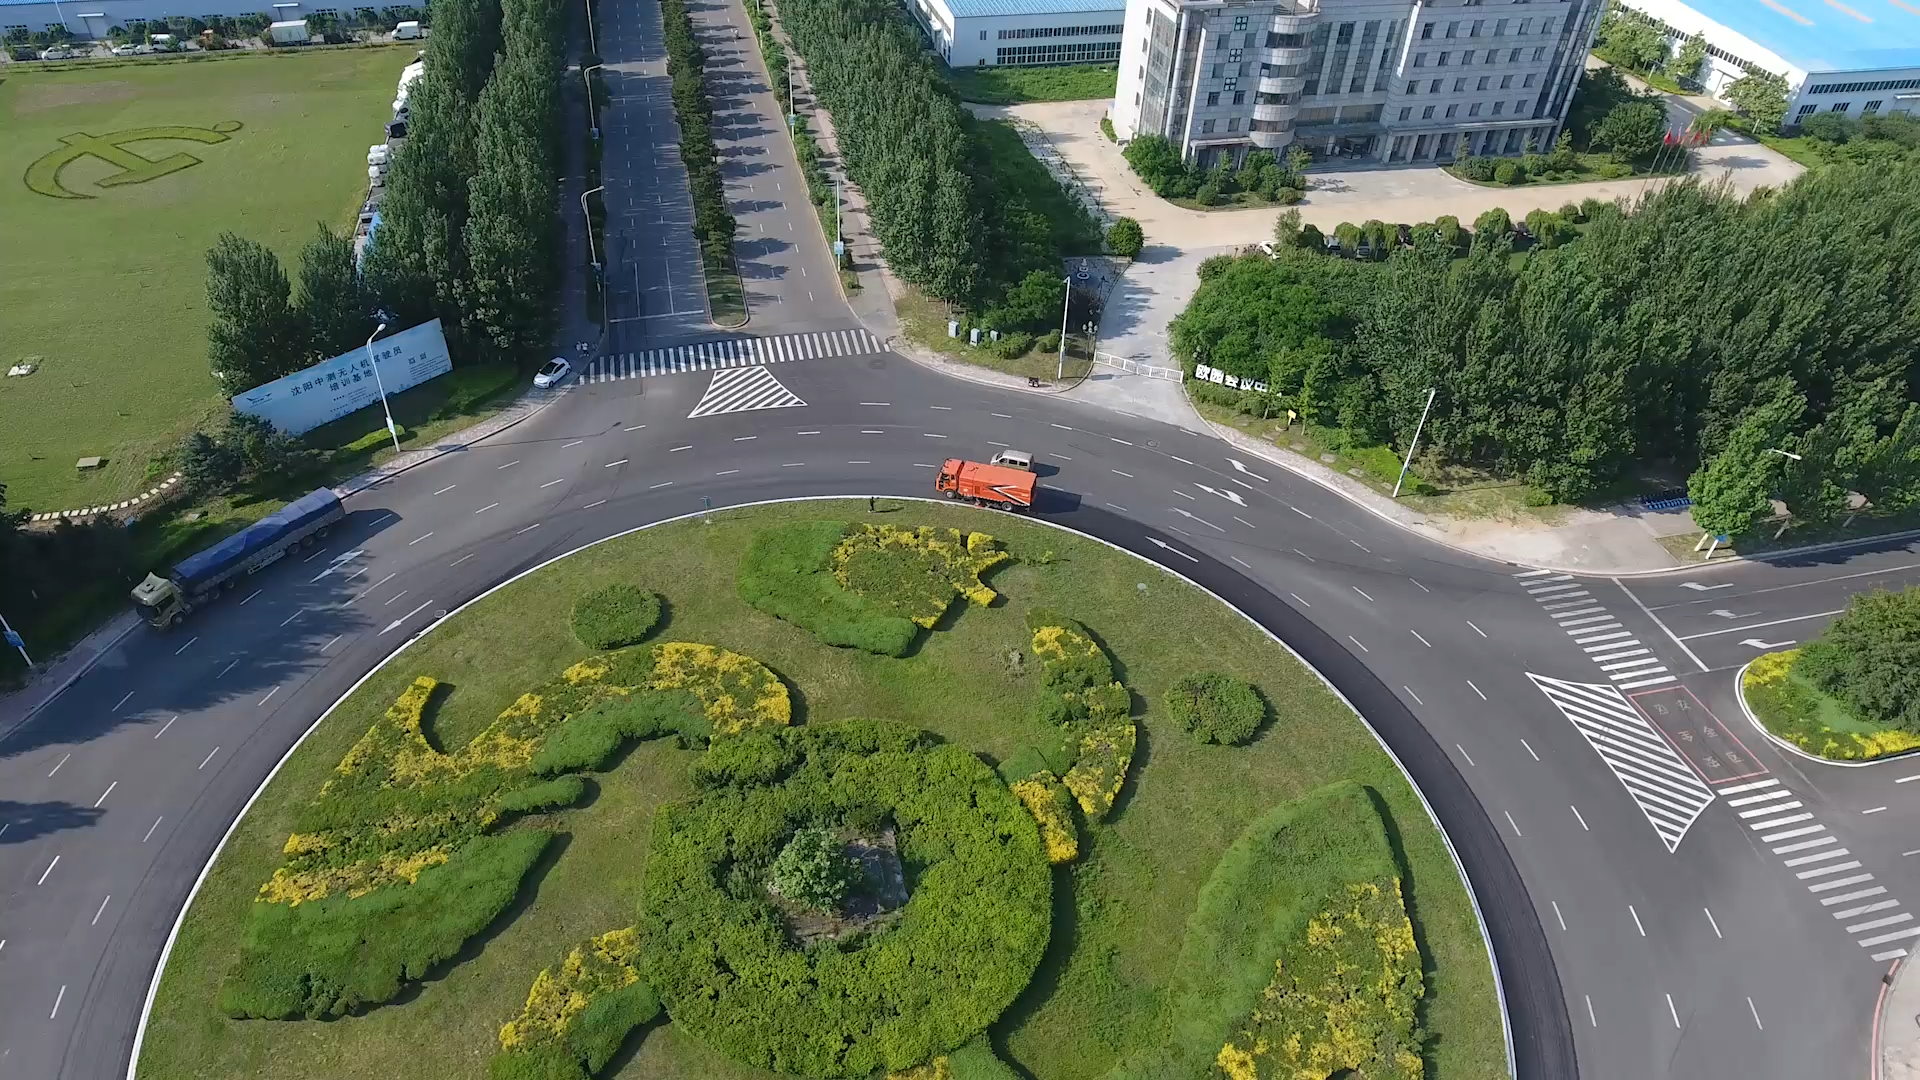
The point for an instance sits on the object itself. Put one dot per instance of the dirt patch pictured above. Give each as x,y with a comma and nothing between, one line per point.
33,99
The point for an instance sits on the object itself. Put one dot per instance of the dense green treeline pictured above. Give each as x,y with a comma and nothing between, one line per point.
1694,327
953,217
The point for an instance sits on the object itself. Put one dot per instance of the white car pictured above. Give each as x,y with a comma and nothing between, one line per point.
552,373
58,52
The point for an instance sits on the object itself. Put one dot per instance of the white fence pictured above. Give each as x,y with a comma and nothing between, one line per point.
1135,367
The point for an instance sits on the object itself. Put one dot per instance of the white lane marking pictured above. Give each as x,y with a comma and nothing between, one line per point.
1715,923
1240,560
593,504
1303,555
622,461
1873,810
889,403
1529,747
1122,442
1757,626
230,666
184,648
1182,494
395,623
1243,521
1516,827
394,597
1361,546
549,484
104,794
726,472
123,701
165,726
1423,588
57,999
446,489
1115,472
63,760
1590,1017
1411,694
1362,592
674,450
1673,1012
806,433
1637,925
1756,1015
1180,459
486,508
529,528
1464,754
250,596
269,696
1476,629
1422,640
635,427
932,435
1577,817
102,910
1356,641
209,757
1009,416
573,444
942,408
297,613
1907,779
422,536
151,828
1062,427
457,562
508,465
1557,917
48,870
1477,690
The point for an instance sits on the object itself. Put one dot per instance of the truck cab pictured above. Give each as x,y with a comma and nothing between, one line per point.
157,600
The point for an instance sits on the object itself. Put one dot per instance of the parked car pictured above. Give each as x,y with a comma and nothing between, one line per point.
129,49
1266,248
58,52
552,373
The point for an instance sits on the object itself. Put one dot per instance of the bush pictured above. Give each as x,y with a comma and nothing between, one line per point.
1048,344
1260,983
1080,697
578,1013
1287,196
1124,238
1494,224
1477,168
1156,161
1794,710
1216,708
968,941
1614,170
813,870
615,616
1869,659
1209,194
1572,213
1508,172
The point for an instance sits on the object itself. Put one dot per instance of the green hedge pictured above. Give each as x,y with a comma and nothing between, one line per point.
1291,864
788,574
1216,708
615,616
969,939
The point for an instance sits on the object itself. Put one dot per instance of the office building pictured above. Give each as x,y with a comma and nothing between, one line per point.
1856,57
987,33
1379,80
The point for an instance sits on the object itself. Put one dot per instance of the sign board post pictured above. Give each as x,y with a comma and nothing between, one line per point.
14,639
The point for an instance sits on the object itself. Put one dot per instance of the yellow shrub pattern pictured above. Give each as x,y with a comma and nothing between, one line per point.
1046,800
1100,713
937,1069
593,967
916,572
1342,999
396,805
1790,711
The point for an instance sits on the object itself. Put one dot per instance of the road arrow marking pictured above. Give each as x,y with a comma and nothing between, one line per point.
1697,587
1725,614
1241,467
339,561
395,623
1164,546
1231,496
1765,645
1194,517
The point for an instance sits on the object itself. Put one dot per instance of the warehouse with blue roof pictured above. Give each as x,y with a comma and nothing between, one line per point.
1854,57
989,33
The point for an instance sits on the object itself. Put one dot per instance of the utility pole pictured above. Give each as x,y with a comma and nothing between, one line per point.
593,44
381,383
1065,302
593,120
1415,443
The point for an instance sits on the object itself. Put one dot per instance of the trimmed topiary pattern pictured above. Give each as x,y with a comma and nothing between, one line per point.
405,854
1216,708
614,617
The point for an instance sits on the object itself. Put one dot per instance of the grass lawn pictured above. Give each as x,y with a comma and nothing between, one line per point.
109,292
1119,913
1013,85
1808,717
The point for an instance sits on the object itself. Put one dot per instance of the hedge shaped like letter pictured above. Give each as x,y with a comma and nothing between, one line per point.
615,617
401,858
866,587
1092,708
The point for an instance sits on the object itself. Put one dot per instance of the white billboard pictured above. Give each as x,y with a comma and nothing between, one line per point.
333,388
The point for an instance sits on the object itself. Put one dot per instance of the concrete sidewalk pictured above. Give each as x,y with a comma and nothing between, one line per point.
1898,1051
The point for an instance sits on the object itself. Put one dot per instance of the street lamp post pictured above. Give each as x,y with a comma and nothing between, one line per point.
1415,443
592,253
1061,372
592,42
1790,455
381,383
789,91
593,119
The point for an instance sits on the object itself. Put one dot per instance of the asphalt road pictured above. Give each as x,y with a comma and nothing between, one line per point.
1629,853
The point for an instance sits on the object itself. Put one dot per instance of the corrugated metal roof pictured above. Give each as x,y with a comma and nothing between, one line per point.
979,9
1834,35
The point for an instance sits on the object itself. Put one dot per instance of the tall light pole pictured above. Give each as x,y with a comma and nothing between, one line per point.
1415,443
14,639
381,383
593,44
593,120
1061,372
1784,453
592,252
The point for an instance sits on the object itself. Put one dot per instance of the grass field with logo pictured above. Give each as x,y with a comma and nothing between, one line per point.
108,292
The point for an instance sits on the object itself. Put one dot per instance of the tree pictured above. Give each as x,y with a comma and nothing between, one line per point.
1034,304
1492,225
208,467
1814,484
1889,471
1633,130
1761,95
1155,160
333,307
1563,158
1688,58
1286,229
1869,658
1633,43
1733,492
813,870
254,337
1124,238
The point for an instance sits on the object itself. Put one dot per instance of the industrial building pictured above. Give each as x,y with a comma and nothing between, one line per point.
987,33
1380,80
91,19
1859,58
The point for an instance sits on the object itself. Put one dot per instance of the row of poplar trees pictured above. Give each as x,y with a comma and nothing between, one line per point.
468,231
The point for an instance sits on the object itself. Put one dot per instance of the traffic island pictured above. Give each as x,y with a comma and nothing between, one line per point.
994,810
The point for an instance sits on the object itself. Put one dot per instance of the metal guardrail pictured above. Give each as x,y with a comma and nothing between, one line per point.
1134,367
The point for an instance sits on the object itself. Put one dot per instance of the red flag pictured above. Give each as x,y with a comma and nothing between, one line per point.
1668,138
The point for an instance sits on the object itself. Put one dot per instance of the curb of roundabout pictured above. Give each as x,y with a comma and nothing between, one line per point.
1546,1038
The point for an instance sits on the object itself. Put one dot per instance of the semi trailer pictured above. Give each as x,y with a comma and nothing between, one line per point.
197,579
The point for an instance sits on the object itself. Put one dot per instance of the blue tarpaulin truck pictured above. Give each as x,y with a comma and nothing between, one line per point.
200,577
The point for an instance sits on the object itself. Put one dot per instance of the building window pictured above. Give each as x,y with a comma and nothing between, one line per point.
1406,113
1466,59
1219,71
1413,88
1459,85
1482,84
1539,54
1453,27
1528,81
1420,59
1239,22
1855,88
1526,27
1239,97
983,35
1434,86
1443,61
1246,40
1547,27
1498,106
1233,56
1452,109
1213,98
1426,31
1233,123
1083,52
1231,83
1806,111
1473,109
1206,127
1500,28
1426,113
1841,106
1869,108
1506,82
1513,57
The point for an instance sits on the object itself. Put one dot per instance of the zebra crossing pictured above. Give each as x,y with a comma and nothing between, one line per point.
1627,663
744,390
731,353
1847,892
1668,792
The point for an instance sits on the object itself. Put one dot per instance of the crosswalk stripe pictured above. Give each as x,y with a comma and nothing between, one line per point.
733,352
1588,610
1803,845
1756,785
1648,682
744,390
1875,924
1890,954
1776,808
1611,645
1584,621
1602,637
1669,794
1550,590
1622,665
1895,936
1837,883
1606,624
1836,868
1877,890
1866,909
1788,820
1806,830
1765,796
1534,573
1818,856
1602,658
1567,600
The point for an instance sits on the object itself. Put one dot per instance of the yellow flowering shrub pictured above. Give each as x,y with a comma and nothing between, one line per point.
1080,693
916,573
1101,768
1342,999
739,692
593,967
1047,800
1791,709
937,1069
